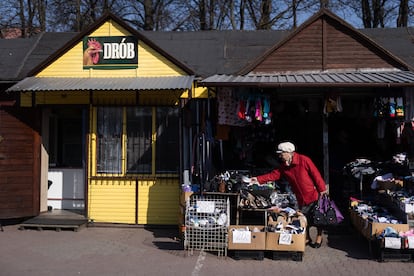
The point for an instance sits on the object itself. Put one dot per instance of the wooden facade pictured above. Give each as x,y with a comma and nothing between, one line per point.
323,44
19,162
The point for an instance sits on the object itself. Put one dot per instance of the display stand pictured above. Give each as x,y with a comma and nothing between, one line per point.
262,242
206,224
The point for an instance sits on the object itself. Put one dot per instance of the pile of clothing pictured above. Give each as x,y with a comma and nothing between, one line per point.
373,213
287,221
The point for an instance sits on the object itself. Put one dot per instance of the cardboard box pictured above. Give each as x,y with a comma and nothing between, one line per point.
370,229
243,237
376,228
293,242
359,223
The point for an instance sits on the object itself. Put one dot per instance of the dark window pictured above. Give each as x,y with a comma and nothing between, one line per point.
167,146
109,138
65,137
139,149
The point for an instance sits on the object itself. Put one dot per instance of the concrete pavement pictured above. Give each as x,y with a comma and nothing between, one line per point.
140,251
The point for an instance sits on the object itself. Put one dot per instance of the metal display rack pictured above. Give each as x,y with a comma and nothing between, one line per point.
207,220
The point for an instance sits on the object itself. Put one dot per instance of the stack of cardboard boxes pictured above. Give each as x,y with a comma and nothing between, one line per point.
281,237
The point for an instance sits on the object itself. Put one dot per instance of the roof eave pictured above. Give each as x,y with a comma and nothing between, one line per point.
304,85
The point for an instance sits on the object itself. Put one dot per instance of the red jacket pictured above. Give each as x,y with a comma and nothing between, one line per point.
303,177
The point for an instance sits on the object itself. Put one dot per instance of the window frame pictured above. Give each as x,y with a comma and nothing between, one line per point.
124,144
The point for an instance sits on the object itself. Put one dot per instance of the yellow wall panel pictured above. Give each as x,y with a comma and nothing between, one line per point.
112,201
151,63
158,202
198,92
55,97
107,97
25,99
110,28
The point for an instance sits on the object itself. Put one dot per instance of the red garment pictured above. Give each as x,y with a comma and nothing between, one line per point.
303,177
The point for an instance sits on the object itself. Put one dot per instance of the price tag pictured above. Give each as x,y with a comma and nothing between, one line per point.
409,207
410,242
205,206
242,236
285,239
393,243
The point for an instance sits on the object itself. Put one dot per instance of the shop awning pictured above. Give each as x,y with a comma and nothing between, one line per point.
316,79
33,84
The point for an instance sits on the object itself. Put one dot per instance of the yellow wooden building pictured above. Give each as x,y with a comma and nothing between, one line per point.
110,102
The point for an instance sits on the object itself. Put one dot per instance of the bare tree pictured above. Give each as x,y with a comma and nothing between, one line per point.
402,19
188,15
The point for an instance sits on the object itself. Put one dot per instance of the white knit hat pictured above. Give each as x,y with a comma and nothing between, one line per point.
285,147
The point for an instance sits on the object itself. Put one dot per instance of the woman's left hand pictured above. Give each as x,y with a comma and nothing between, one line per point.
323,193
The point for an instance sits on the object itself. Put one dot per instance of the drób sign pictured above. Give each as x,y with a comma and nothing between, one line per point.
110,52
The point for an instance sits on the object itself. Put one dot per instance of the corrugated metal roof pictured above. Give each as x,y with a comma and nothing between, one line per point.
80,84
327,79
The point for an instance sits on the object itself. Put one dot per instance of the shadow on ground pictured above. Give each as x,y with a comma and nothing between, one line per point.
166,237
347,239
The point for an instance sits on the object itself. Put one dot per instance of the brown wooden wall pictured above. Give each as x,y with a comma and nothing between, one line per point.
19,163
323,45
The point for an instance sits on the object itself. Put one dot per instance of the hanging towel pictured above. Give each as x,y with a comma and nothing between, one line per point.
248,116
258,113
242,110
339,104
392,107
266,108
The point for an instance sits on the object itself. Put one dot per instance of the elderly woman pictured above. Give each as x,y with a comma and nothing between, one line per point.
305,180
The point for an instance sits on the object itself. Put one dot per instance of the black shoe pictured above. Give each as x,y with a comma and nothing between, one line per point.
316,244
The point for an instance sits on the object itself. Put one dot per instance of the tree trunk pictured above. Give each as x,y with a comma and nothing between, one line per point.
78,16
366,14
378,11
22,18
265,10
202,15
42,14
211,15
324,4
402,20
149,15
294,15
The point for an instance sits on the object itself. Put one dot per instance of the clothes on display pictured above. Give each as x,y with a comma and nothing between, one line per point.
390,107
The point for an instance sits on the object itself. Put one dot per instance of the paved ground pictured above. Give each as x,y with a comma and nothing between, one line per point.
140,251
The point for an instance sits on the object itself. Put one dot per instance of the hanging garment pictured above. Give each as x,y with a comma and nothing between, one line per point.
392,107
339,104
258,113
381,125
385,105
399,107
228,108
332,104
242,110
266,108
267,115
378,107
248,116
